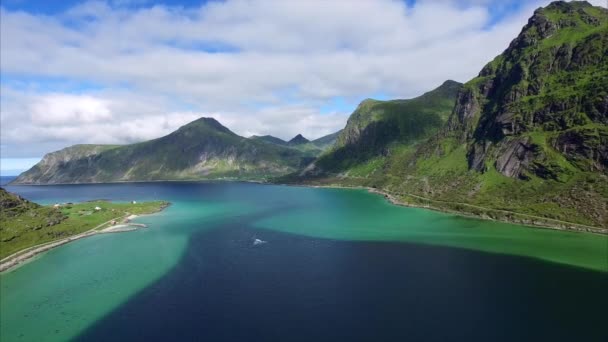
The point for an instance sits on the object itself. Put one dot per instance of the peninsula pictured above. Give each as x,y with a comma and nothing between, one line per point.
28,229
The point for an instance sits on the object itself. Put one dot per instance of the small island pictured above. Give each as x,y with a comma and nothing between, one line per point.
28,228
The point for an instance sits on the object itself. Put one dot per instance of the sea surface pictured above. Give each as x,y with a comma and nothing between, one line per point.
328,265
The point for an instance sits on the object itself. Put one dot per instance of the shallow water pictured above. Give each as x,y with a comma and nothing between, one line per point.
337,265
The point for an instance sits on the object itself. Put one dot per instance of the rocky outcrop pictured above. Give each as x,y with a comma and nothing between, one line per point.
587,148
550,81
11,204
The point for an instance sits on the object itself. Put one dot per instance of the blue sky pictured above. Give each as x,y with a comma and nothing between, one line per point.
122,71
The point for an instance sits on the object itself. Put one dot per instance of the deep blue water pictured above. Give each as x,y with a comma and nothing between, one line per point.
300,288
6,179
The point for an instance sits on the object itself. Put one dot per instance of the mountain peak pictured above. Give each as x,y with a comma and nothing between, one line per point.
206,123
547,21
298,140
565,6
448,88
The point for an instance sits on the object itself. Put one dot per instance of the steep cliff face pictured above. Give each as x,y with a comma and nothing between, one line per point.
201,149
53,163
547,92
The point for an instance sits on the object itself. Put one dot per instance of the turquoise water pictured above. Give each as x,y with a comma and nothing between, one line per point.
199,250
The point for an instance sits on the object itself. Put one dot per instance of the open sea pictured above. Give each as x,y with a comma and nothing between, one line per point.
328,265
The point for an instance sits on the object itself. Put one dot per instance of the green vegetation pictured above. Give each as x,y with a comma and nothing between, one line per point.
25,224
526,140
202,149
377,127
309,148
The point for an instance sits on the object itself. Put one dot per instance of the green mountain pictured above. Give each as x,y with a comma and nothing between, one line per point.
326,142
202,149
310,148
376,128
298,140
528,136
269,139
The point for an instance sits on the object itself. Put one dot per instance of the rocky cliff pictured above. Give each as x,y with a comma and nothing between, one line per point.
547,93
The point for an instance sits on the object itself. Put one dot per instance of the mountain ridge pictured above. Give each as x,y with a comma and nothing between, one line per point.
201,149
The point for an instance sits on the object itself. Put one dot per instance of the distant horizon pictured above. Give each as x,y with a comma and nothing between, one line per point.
15,166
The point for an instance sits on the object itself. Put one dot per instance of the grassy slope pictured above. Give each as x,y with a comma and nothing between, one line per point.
378,128
29,226
203,149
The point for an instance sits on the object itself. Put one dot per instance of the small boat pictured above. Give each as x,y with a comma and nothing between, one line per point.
258,242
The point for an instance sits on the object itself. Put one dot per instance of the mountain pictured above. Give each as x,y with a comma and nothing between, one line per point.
298,140
315,147
310,148
526,140
377,127
202,149
326,141
270,139
539,109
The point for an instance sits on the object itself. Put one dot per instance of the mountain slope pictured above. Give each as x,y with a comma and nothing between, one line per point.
310,148
298,140
528,136
326,141
270,139
201,149
378,127
546,93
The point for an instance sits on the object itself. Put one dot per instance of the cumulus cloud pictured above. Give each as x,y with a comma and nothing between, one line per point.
61,109
260,67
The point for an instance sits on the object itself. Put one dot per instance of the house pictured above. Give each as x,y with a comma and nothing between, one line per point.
133,202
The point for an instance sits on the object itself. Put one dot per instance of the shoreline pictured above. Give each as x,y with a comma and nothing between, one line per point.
19,258
527,220
150,181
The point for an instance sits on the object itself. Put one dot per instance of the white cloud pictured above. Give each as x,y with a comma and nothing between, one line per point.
278,63
61,109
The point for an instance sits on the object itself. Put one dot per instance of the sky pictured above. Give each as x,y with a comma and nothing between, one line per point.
123,71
